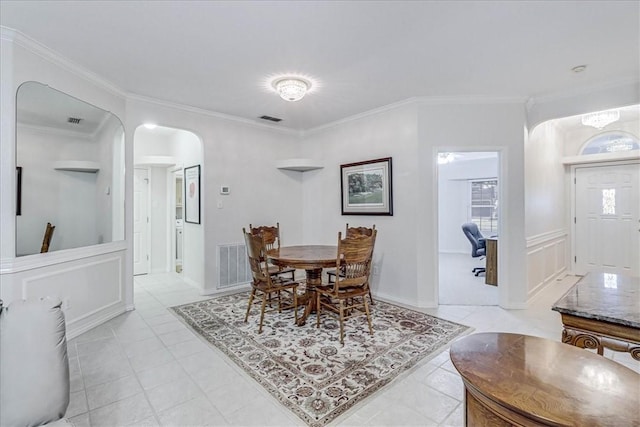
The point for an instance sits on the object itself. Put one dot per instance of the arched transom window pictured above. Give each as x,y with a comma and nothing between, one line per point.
610,142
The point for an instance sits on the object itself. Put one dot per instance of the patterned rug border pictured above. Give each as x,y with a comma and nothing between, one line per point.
353,405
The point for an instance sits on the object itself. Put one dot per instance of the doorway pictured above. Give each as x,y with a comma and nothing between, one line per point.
468,188
174,247
607,218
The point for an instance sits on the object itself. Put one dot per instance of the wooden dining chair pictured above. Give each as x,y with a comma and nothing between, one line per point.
271,237
266,284
349,233
347,296
46,241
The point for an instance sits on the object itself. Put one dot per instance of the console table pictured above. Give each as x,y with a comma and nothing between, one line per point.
519,380
602,310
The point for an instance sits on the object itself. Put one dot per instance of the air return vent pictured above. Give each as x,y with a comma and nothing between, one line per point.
233,265
74,120
271,119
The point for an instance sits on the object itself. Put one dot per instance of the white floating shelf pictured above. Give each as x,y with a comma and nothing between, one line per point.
77,166
300,165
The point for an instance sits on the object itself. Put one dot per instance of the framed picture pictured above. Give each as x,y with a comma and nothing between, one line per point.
192,194
18,190
366,188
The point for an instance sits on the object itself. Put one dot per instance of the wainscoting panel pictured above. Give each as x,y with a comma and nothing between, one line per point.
546,260
91,289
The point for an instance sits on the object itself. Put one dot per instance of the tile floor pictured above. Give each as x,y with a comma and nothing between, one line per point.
145,368
459,286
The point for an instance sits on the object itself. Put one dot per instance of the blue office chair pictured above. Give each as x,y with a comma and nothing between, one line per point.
478,243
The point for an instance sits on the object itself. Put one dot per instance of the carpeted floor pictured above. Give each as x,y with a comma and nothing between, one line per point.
306,368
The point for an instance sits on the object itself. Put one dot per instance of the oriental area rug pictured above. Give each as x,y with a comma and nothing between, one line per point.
306,368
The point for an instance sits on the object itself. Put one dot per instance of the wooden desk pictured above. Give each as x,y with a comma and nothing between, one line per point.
311,258
519,380
602,310
491,272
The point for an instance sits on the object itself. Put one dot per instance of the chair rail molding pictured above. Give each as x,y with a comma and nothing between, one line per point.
548,236
35,261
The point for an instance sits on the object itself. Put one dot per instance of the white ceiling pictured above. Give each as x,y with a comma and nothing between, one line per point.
363,55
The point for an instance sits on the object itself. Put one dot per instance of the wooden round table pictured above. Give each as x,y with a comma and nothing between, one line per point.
312,259
521,380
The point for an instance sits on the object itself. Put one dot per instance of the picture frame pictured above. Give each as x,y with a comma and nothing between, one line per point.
366,188
192,194
18,190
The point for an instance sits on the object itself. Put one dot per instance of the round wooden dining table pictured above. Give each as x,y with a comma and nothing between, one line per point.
312,259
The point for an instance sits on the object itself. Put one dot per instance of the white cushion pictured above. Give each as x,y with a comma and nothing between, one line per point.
34,373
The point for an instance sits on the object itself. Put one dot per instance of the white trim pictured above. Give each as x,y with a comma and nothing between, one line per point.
55,131
601,157
56,58
568,94
418,101
32,262
195,110
542,238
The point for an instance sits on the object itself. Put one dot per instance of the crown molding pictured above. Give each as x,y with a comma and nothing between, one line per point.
420,100
568,94
46,130
359,116
200,111
51,55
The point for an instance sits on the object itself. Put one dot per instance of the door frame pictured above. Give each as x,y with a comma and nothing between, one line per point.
172,175
148,234
502,211
573,184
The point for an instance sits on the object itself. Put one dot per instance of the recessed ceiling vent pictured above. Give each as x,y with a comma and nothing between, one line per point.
74,120
271,119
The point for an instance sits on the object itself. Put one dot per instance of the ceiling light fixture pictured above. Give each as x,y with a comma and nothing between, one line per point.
579,68
291,88
150,126
444,158
601,119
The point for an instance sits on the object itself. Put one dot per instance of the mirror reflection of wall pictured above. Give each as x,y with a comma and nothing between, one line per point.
71,155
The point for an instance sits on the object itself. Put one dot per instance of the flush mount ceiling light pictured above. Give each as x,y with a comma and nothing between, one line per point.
601,119
150,126
444,158
291,88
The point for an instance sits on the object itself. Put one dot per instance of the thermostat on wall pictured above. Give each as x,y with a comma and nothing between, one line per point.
224,189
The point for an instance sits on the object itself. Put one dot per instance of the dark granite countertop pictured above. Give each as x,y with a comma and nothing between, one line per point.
608,297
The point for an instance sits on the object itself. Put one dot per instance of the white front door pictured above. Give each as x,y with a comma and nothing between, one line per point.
607,219
140,221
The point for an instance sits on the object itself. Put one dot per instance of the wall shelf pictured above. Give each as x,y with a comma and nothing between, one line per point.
300,165
77,166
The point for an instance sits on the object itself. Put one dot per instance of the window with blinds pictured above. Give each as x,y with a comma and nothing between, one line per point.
484,205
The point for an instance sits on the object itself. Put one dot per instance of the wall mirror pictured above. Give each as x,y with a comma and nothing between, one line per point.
69,170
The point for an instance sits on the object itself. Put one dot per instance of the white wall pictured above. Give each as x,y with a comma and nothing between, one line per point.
475,126
242,155
390,133
90,280
454,199
545,207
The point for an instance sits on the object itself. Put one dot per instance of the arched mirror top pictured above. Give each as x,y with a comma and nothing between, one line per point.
70,172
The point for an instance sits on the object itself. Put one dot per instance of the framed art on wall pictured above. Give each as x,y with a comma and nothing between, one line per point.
192,194
366,187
